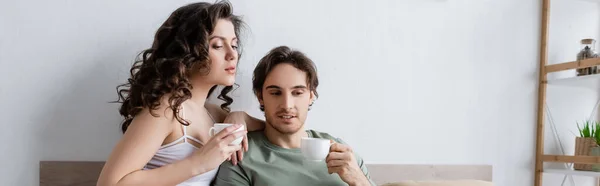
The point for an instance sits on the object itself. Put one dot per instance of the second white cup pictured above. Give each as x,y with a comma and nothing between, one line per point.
218,127
315,149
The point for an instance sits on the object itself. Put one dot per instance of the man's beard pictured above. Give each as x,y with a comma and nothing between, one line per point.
282,128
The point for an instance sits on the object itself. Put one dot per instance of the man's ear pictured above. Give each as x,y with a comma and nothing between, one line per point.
259,97
312,97
261,102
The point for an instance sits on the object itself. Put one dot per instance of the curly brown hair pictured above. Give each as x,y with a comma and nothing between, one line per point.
180,48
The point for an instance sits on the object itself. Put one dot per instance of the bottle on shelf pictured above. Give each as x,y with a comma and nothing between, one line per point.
588,50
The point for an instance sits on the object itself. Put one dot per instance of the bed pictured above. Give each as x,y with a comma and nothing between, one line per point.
85,173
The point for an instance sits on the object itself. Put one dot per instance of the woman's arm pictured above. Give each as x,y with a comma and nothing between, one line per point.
252,123
236,117
137,146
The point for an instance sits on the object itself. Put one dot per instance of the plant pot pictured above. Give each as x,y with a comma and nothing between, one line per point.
583,147
596,152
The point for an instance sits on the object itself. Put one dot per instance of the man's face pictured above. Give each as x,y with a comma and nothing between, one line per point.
286,98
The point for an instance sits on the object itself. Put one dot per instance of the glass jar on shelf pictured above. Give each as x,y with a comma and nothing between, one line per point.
588,50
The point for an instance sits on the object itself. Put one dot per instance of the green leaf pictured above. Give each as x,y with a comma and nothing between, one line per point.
579,129
597,133
592,130
586,130
589,128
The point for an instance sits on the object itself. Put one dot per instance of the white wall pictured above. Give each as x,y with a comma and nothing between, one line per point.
429,81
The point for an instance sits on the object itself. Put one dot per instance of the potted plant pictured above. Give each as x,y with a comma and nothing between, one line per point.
589,138
596,150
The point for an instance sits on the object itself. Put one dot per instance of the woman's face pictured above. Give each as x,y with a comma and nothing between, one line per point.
223,54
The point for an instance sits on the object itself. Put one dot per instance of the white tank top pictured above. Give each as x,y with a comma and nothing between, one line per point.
176,151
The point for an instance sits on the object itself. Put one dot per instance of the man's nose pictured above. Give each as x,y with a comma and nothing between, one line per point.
288,102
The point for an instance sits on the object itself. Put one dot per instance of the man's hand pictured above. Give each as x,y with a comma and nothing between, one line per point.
341,160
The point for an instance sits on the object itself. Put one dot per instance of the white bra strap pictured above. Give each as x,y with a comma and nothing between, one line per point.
184,127
209,115
196,140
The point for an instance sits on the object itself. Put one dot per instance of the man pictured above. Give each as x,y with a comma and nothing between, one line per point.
285,83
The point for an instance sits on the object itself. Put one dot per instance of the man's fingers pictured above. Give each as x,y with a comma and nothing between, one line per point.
336,163
334,156
337,147
332,170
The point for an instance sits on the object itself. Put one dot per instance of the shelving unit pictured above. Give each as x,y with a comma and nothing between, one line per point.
593,1
572,172
590,82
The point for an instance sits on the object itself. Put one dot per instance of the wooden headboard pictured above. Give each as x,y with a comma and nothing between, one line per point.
388,173
85,173
69,173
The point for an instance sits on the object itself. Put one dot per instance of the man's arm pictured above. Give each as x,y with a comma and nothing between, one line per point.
363,167
348,164
231,175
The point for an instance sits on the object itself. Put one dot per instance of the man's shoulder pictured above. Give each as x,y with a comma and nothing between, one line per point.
256,140
324,135
255,135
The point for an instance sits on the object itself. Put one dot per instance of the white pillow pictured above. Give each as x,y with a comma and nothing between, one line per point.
441,183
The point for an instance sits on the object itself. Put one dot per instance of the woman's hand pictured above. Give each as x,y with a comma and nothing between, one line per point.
238,117
218,148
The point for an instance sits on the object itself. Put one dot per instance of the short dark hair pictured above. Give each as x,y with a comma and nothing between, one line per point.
280,55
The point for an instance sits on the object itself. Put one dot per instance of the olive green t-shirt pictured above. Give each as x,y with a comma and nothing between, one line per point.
268,164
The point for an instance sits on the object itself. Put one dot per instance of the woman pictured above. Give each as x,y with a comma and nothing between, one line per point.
167,119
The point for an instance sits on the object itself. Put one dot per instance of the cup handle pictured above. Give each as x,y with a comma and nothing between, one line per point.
211,131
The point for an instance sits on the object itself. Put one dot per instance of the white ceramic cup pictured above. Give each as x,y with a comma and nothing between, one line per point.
218,127
315,149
